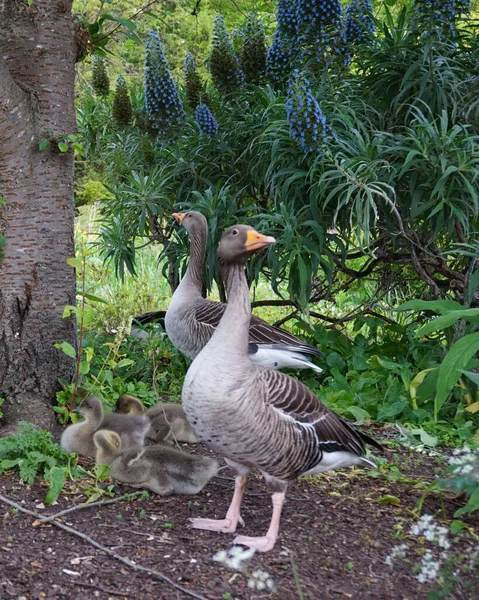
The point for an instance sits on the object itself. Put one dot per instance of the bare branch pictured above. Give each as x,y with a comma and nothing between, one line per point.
122,559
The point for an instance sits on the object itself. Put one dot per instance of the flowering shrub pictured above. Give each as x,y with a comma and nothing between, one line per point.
206,122
315,15
320,30
163,105
100,80
225,69
307,123
359,25
279,57
438,17
195,92
253,49
287,17
121,109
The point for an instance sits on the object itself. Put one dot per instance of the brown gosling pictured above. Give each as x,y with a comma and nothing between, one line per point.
79,436
161,469
168,421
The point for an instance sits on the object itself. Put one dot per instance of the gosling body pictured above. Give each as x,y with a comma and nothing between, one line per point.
79,437
168,421
161,469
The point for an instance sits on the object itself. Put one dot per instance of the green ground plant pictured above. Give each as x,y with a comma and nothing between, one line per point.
32,452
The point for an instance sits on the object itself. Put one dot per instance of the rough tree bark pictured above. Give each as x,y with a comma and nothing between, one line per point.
37,70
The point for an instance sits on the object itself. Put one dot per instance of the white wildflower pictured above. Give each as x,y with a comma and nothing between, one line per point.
429,568
261,580
432,532
396,552
234,557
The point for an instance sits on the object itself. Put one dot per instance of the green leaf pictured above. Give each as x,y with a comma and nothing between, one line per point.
472,504
84,367
76,263
438,306
456,527
450,369
474,377
63,147
68,310
43,144
95,298
358,413
426,439
388,499
56,477
125,362
416,382
67,348
447,320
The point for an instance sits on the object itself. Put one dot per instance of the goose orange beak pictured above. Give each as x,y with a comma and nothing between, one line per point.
179,217
256,241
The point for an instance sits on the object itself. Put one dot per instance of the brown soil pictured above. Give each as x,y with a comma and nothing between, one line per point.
336,531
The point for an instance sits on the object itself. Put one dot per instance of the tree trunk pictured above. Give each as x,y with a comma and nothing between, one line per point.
37,69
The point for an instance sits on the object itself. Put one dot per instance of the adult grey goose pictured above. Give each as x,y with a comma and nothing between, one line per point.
256,416
191,319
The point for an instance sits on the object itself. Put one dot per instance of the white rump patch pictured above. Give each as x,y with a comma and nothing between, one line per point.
338,459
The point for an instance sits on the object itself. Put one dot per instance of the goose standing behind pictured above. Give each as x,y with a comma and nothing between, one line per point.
191,319
160,469
259,417
168,421
79,436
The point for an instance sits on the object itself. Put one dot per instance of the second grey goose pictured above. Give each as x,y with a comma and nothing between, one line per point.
255,416
191,320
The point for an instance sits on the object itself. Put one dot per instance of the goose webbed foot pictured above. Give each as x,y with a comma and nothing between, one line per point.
261,544
266,542
233,516
225,525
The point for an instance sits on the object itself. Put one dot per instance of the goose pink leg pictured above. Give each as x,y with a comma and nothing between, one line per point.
266,542
230,522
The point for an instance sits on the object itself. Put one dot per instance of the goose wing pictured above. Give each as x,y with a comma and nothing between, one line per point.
208,314
290,399
263,333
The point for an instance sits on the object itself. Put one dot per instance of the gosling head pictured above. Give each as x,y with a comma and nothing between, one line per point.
108,441
239,242
192,221
91,408
129,405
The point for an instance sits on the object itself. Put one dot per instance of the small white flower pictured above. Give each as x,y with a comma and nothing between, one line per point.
234,557
396,552
429,568
261,580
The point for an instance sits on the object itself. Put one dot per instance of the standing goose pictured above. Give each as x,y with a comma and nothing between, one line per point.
79,436
255,416
168,421
191,319
159,468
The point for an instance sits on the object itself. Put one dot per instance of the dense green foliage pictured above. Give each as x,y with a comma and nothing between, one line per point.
356,147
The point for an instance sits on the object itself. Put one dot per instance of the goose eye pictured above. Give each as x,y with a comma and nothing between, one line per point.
235,232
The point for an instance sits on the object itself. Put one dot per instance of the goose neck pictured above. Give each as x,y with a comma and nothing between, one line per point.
237,316
194,272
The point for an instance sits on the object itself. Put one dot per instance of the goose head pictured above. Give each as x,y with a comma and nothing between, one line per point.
192,221
129,405
239,242
91,409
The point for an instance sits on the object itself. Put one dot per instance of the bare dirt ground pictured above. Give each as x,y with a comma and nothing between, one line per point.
336,532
